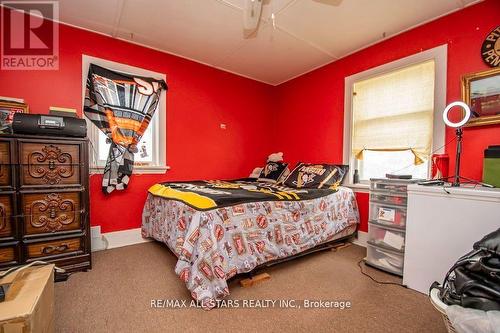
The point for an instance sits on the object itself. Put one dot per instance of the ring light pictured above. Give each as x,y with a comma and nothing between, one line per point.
459,133
466,118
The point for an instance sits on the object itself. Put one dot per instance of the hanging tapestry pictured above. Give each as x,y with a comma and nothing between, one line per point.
121,106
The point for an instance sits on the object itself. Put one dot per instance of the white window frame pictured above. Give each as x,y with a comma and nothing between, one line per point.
158,123
439,55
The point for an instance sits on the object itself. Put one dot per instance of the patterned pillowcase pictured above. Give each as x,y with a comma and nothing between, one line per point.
283,176
316,175
273,172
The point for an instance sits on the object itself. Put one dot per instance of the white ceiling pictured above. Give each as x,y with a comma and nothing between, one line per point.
306,34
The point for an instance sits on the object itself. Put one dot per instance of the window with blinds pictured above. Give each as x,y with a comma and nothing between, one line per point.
392,122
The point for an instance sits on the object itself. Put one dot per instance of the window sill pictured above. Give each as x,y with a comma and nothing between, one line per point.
140,170
359,187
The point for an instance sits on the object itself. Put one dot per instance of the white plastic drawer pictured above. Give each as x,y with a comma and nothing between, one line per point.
390,261
389,198
390,215
385,186
386,237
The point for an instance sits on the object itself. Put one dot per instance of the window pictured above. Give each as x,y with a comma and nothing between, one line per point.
150,157
393,116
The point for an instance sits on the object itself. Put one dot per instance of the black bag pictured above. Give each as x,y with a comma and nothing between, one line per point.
474,280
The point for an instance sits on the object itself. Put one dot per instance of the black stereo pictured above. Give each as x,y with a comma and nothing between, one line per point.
39,124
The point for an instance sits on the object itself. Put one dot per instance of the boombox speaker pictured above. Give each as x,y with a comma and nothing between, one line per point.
38,124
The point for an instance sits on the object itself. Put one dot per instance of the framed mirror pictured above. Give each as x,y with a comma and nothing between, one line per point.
481,91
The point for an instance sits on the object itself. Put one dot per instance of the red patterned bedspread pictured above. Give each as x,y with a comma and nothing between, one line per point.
212,246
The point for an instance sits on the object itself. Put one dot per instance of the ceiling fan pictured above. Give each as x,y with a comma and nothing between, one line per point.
252,11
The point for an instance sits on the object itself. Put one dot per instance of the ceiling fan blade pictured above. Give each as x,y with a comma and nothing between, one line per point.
330,2
251,16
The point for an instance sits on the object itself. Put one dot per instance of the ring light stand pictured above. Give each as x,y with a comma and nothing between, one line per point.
459,133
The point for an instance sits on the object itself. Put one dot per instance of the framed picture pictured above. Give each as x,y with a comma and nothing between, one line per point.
481,91
7,111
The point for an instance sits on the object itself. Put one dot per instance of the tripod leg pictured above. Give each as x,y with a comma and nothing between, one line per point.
477,182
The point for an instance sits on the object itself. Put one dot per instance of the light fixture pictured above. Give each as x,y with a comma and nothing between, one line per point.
251,16
459,133
462,122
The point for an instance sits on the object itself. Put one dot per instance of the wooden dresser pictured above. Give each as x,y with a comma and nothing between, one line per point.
44,201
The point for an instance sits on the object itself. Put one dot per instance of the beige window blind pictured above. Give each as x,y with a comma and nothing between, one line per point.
394,112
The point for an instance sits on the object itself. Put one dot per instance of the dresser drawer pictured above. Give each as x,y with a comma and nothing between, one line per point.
55,248
385,259
5,164
7,210
383,236
8,255
389,186
390,215
389,198
49,164
51,212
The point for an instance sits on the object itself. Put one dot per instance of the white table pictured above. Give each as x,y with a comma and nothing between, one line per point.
441,227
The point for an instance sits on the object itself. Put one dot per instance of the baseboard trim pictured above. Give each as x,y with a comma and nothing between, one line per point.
121,238
362,238
114,239
124,237
97,242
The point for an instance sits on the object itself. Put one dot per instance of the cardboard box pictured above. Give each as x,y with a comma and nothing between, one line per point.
29,301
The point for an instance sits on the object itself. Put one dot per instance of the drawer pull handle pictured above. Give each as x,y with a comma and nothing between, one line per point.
49,249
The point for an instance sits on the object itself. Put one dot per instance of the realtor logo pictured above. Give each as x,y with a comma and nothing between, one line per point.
29,35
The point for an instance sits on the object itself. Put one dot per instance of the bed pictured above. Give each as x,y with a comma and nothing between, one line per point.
218,229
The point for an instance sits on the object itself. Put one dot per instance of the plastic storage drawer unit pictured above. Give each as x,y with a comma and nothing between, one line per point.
383,185
385,259
387,224
391,215
386,237
388,198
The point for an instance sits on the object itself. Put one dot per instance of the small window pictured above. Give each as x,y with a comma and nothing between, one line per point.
394,122
150,157
376,164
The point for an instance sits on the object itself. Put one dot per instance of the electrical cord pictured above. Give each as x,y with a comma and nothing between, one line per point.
375,280
34,263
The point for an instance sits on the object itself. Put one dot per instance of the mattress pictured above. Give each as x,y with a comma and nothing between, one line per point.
213,245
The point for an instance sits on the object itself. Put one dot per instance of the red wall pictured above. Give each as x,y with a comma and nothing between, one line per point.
313,104
198,100
201,97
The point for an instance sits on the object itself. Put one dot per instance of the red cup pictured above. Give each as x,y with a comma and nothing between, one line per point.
440,164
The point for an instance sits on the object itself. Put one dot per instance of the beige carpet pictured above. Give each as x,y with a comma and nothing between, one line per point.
115,296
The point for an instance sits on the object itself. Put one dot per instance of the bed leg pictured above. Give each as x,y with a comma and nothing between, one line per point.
340,246
254,279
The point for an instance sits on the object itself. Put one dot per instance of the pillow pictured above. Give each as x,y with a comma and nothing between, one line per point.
283,176
272,172
316,175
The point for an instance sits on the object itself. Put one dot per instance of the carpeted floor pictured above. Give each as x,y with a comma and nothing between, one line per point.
115,296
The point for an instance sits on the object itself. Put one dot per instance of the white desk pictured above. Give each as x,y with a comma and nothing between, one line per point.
442,227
